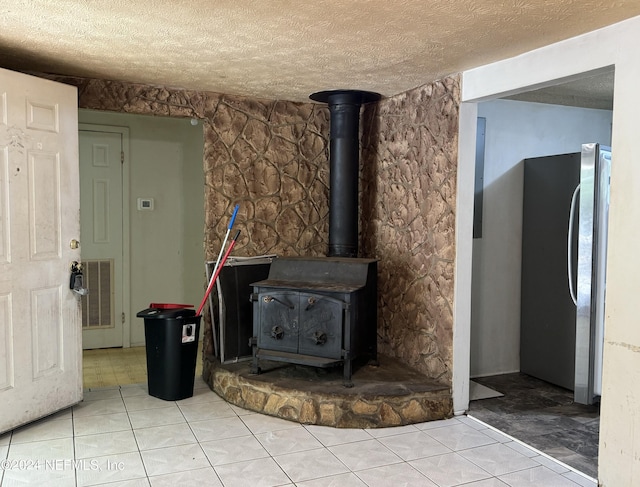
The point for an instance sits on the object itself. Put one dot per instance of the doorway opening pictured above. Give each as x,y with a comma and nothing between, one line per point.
553,120
162,243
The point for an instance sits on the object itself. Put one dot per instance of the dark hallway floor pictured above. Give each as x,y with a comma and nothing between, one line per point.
543,416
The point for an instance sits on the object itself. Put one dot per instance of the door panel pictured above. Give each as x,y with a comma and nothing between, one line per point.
101,222
46,331
44,205
321,324
6,348
40,354
279,320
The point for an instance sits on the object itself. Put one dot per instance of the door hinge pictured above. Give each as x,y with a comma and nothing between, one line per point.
123,318
122,157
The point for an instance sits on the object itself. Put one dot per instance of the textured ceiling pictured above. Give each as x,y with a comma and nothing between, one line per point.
281,49
589,91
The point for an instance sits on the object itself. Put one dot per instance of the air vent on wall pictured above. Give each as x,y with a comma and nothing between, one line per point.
97,306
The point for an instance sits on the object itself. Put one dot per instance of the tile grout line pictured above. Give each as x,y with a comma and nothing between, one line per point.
73,442
268,452
198,442
325,447
371,437
135,438
10,433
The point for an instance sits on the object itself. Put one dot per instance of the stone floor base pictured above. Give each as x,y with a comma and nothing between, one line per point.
390,394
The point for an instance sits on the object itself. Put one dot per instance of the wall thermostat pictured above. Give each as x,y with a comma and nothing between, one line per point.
145,203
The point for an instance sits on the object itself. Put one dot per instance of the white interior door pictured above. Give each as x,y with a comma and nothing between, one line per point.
101,226
40,344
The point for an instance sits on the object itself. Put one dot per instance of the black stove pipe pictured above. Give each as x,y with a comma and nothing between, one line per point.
344,156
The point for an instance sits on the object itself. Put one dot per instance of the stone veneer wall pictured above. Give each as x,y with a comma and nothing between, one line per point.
271,157
410,158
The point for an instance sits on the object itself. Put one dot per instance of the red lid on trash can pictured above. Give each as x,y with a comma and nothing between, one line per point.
169,305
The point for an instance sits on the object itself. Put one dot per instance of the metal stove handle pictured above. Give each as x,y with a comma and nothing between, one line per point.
268,299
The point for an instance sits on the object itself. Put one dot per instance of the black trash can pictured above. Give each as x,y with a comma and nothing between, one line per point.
171,339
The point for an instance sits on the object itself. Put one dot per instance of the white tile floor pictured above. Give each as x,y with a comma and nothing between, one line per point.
121,436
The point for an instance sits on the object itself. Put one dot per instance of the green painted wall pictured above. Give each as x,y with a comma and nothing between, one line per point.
166,244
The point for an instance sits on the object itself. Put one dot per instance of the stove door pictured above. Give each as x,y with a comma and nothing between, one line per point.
321,319
278,320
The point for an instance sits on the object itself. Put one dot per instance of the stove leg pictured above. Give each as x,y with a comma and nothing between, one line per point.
255,369
346,378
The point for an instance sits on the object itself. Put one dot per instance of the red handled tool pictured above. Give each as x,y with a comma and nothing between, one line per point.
216,272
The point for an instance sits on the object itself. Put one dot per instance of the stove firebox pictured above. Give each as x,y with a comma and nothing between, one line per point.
318,311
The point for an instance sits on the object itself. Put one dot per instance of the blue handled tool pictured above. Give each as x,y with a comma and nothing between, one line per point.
226,237
215,274
224,243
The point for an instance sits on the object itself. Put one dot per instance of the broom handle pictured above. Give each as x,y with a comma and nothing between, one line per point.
217,271
224,242
226,237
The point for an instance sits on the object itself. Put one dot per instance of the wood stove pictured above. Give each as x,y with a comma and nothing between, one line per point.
322,311
318,311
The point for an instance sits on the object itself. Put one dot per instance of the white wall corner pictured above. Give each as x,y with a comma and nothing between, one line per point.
464,246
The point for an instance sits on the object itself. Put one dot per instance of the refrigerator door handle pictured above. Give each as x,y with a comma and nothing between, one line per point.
572,211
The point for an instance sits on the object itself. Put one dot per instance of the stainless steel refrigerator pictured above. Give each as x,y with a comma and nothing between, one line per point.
564,243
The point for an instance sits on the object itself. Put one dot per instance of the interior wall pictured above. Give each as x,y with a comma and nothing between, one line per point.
166,244
619,449
515,131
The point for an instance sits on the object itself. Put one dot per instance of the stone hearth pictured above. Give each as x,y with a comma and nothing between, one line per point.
390,394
